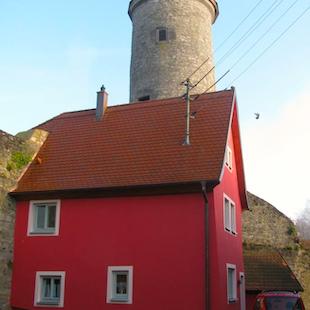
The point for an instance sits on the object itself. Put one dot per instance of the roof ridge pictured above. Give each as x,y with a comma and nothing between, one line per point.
131,105
147,104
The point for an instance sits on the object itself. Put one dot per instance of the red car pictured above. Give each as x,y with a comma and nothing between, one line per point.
279,301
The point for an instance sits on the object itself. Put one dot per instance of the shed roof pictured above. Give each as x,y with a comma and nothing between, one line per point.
266,270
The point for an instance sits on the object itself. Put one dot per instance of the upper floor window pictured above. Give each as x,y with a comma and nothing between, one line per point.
44,217
229,215
119,286
228,158
231,283
49,290
162,34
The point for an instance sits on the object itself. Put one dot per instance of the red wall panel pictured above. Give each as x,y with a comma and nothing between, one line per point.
162,237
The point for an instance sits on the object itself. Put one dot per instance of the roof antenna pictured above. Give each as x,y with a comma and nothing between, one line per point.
188,86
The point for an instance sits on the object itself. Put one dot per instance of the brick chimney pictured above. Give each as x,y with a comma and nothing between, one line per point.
102,103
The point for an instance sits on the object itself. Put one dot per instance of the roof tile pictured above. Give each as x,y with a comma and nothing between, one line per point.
134,144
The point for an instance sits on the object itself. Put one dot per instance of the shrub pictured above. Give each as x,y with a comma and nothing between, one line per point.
18,160
291,231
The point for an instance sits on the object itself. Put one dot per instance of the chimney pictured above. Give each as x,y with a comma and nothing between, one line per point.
102,103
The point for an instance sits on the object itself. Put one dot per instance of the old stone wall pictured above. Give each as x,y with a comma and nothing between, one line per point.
263,224
15,154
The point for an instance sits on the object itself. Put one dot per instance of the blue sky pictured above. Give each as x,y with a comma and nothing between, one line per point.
54,55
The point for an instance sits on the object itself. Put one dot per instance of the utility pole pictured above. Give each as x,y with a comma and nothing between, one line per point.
188,86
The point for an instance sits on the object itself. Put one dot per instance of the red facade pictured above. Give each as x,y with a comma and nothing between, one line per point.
162,237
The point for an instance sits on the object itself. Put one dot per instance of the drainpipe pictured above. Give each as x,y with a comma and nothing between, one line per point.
207,260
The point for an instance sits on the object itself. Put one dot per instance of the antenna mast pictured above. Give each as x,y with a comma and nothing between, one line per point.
188,86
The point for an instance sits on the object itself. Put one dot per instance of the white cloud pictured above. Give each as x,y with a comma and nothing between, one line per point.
277,156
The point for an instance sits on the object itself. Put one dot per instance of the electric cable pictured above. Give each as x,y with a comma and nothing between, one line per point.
238,26
262,53
271,45
227,38
246,35
265,33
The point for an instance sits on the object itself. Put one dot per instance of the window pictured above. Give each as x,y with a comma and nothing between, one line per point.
119,286
49,290
228,158
229,215
231,283
43,218
144,98
161,34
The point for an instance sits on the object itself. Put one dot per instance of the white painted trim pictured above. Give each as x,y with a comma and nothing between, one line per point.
234,103
231,202
110,286
38,284
231,266
30,229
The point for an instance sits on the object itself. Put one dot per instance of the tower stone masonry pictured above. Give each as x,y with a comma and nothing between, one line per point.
170,39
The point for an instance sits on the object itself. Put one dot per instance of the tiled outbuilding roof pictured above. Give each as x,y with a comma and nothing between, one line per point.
266,270
137,144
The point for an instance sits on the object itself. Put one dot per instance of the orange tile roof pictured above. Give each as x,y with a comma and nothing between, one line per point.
266,269
134,144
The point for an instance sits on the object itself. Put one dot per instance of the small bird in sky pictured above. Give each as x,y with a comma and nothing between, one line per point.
257,115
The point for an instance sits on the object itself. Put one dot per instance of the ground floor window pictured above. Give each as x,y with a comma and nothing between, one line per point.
49,288
231,283
119,286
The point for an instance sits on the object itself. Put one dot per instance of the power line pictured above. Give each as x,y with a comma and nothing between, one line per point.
255,26
258,57
271,45
265,33
239,25
227,38
210,87
258,22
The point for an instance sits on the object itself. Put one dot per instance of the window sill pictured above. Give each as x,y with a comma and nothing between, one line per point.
48,303
235,234
42,233
119,300
45,304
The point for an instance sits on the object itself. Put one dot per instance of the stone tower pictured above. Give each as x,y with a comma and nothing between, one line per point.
170,39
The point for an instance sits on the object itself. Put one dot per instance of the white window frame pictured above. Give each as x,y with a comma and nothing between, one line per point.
231,227
111,298
38,288
31,231
234,293
229,158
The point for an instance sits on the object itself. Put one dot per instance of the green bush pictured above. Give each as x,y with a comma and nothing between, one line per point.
18,160
291,231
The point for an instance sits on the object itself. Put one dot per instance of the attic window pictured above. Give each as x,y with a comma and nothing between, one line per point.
161,34
228,158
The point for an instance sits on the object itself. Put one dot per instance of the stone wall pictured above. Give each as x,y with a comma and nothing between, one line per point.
158,68
263,224
15,153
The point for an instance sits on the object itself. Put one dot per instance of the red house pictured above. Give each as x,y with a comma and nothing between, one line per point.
116,213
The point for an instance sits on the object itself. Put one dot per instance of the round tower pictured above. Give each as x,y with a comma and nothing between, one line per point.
170,39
